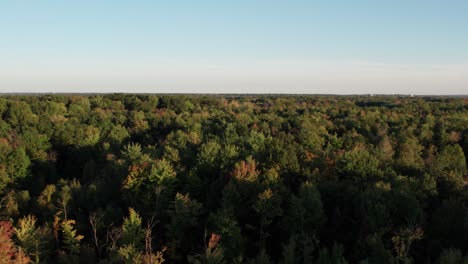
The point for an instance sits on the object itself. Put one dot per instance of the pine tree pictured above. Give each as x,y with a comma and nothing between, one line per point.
132,231
70,238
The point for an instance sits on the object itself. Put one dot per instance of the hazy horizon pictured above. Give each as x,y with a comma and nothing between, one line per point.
272,47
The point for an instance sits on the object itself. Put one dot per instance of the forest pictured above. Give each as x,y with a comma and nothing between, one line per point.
121,178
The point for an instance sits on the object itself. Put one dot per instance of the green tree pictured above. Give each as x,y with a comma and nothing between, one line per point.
149,186
268,207
70,239
409,155
132,231
450,159
14,165
182,229
359,165
231,240
30,238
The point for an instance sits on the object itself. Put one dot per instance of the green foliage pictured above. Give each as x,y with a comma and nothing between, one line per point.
132,232
377,251
118,134
224,224
14,166
233,179
208,156
19,114
132,153
268,206
409,155
359,165
149,185
70,238
184,220
27,236
306,213
129,254
450,159
184,214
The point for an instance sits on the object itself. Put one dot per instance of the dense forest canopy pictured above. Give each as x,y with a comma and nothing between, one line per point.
233,179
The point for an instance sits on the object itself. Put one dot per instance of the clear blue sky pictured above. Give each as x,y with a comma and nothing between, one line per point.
178,39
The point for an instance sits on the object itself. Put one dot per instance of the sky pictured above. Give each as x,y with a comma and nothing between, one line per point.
234,46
